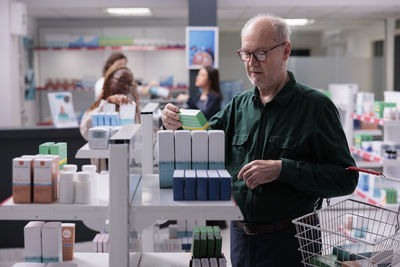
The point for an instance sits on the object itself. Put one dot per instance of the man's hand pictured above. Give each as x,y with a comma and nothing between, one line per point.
170,117
260,172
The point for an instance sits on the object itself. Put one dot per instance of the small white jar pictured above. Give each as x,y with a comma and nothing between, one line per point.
83,188
67,187
93,180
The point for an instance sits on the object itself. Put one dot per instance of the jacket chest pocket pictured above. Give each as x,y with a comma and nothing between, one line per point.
281,146
239,153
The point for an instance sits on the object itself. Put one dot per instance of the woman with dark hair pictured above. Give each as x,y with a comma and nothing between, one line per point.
115,59
119,88
210,97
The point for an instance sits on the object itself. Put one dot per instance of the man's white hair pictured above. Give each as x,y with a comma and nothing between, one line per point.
279,25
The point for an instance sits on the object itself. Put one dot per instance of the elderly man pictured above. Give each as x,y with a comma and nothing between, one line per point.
285,149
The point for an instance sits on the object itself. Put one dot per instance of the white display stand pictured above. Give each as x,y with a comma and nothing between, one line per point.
133,201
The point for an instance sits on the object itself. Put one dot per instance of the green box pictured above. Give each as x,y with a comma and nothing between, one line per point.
196,245
210,244
193,119
203,244
59,149
44,148
218,244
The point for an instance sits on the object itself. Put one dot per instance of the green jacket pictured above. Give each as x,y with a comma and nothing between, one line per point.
300,126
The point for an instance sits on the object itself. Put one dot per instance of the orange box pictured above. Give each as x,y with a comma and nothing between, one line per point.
22,180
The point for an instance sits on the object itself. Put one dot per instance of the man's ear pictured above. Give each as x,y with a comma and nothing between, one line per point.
286,50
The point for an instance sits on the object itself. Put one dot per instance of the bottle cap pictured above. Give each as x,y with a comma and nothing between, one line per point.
89,168
70,168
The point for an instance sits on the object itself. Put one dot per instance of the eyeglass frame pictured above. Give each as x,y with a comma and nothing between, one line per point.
264,51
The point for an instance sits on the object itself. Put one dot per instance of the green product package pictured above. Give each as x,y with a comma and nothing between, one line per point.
210,244
196,245
44,148
203,244
218,244
193,119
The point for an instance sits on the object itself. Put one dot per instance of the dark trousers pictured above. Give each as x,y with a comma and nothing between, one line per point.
277,249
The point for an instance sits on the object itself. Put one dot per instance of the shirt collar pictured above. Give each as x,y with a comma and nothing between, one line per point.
283,96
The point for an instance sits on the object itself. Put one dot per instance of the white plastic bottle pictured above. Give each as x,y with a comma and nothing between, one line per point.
83,188
67,187
93,180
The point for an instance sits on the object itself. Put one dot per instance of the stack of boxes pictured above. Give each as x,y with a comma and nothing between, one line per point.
49,242
35,176
109,116
183,150
201,185
207,244
58,149
105,119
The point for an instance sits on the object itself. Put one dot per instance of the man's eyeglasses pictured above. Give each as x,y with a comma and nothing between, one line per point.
260,55
122,81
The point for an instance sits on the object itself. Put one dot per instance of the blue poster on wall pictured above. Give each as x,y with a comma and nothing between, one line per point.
29,77
201,47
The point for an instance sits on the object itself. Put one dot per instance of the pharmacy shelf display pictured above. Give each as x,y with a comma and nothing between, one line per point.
390,129
133,199
112,48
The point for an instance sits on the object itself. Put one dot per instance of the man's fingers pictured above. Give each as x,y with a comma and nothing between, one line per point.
244,169
172,115
172,107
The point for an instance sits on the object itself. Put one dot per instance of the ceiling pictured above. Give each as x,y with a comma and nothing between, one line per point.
231,14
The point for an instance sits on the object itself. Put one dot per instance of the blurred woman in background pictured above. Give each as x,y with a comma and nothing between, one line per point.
210,97
115,59
119,88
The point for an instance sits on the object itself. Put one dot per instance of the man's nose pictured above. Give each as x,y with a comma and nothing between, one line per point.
253,61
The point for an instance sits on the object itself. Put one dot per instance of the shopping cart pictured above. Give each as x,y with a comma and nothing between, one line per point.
350,233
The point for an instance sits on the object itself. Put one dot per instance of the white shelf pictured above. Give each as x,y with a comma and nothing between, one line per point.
86,153
165,259
374,132
151,203
114,48
135,259
94,215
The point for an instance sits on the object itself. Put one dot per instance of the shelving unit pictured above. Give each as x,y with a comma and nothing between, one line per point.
112,48
367,156
93,215
85,63
136,201
390,130
374,201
